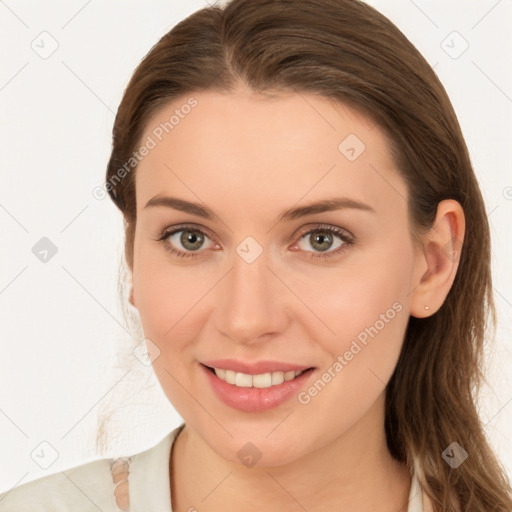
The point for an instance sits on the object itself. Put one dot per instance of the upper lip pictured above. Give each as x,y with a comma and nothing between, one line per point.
254,368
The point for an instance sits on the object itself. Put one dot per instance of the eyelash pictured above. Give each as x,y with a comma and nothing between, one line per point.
342,234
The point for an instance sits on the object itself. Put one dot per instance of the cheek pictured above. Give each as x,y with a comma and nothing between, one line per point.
364,311
167,295
369,321
355,296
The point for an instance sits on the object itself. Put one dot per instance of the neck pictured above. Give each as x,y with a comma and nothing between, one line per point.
355,472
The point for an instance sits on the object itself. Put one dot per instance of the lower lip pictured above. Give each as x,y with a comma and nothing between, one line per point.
255,399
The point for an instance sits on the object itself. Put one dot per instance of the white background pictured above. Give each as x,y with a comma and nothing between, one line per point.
66,351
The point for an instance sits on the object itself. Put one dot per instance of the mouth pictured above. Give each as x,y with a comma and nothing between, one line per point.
260,380
255,386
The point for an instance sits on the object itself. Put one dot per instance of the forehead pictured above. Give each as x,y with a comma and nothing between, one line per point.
243,148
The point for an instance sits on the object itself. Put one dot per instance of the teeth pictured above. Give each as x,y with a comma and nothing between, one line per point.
289,375
277,378
230,376
263,380
243,380
221,373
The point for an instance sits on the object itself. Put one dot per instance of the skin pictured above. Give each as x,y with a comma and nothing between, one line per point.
248,158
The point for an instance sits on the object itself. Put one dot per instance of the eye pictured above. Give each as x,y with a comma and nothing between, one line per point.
192,239
323,241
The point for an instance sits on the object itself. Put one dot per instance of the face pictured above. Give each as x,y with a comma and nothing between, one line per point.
241,286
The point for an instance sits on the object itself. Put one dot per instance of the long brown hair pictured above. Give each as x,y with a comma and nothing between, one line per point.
347,51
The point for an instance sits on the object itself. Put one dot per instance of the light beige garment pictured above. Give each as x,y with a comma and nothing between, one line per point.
92,486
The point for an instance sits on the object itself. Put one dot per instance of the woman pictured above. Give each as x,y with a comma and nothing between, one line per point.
309,252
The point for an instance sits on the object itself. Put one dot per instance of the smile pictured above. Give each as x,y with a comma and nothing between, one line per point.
264,388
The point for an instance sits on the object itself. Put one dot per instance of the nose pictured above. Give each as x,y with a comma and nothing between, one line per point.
250,302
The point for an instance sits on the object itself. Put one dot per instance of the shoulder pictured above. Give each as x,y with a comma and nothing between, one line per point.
425,504
81,488
92,486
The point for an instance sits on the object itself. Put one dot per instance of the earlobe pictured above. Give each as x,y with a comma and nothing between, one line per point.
441,253
132,301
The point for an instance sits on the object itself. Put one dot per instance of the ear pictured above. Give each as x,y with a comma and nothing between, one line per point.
438,261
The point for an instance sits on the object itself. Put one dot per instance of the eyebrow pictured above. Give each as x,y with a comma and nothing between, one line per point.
326,205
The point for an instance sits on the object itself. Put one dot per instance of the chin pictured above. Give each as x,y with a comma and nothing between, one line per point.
252,449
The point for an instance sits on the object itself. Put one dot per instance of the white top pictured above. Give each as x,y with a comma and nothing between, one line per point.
90,487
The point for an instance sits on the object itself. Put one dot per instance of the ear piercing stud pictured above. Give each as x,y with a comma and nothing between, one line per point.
426,307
